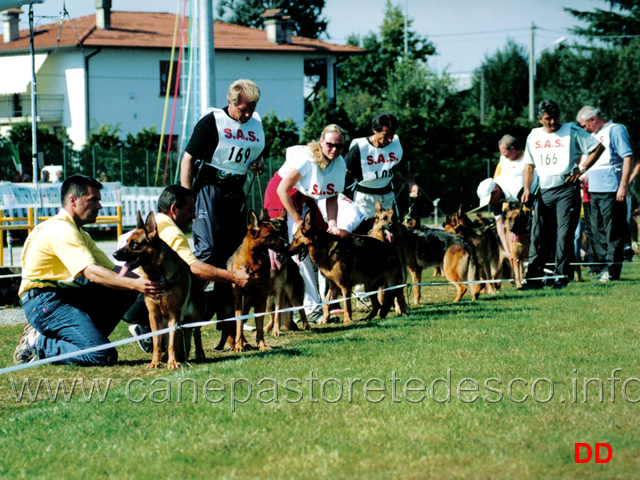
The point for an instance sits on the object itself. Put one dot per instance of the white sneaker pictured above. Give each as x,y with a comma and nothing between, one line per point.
605,277
315,316
27,349
145,344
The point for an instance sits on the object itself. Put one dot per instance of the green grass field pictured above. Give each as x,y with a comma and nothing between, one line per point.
486,389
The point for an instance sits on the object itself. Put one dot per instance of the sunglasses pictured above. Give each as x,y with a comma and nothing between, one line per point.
334,145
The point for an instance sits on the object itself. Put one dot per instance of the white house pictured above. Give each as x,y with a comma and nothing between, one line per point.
111,68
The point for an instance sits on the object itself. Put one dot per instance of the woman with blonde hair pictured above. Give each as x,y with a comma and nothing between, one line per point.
311,172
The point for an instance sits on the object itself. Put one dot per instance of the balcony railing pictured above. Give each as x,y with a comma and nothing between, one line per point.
17,108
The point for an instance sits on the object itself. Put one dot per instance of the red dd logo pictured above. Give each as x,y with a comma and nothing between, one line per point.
589,451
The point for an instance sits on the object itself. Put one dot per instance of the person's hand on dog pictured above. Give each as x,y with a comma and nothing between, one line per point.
414,191
149,288
241,278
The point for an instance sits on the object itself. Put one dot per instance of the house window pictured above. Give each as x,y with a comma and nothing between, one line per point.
164,77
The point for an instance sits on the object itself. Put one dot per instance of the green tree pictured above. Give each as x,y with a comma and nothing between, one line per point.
506,81
384,52
280,135
306,14
49,143
616,27
322,114
145,139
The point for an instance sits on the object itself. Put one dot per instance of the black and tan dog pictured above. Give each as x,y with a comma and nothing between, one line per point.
348,261
517,221
426,247
492,262
260,255
183,299
389,230
287,285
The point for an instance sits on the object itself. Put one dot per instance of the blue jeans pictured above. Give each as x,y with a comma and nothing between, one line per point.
73,319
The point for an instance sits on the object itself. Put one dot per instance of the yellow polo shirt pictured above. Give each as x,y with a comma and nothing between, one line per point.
56,252
174,237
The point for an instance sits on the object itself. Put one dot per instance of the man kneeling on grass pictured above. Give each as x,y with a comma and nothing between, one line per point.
71,293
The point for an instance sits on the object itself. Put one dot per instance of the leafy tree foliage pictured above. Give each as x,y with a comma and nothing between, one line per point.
20,135
280,135
368,72
306,14
506,81
322,114
620,27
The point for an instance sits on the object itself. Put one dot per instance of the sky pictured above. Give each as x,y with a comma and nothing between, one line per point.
464,31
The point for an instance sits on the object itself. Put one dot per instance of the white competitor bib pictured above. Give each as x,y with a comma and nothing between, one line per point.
377,163
239,144
605,174
551,152
315,183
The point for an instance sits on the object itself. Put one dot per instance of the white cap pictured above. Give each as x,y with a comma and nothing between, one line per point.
485,189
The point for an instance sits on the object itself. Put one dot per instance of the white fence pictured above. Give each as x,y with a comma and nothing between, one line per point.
15,199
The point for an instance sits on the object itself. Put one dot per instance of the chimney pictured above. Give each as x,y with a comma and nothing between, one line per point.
278,26
103,14
10,20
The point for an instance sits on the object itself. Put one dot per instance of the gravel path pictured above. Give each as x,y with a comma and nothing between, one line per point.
12,316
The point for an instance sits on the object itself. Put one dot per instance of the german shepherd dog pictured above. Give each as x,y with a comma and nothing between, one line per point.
451,255
348,261
183,300
287,285
485,244
518,225
388,229
260,252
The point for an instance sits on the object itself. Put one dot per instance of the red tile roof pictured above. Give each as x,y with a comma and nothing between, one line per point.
155,30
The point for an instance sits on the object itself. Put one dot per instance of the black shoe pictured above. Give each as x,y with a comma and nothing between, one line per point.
560,284
535,285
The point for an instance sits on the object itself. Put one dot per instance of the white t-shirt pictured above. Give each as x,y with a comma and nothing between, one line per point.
510,178
315,182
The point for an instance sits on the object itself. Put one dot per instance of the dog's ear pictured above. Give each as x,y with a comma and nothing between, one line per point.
378,207
265,215
140,222
252,220
150,225
307,220
283,215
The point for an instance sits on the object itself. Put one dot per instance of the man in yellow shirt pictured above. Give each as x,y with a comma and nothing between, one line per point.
71,292
176,211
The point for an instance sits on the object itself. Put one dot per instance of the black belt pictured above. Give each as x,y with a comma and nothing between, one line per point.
34,292
210,175
375,191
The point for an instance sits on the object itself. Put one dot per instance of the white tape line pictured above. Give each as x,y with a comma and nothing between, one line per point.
125,341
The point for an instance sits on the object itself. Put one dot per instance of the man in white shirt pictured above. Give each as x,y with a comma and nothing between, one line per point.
608,184
554,151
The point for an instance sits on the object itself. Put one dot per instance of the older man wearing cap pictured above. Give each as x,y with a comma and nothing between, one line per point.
507,187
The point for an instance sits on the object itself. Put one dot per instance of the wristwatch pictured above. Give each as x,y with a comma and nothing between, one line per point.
582,169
